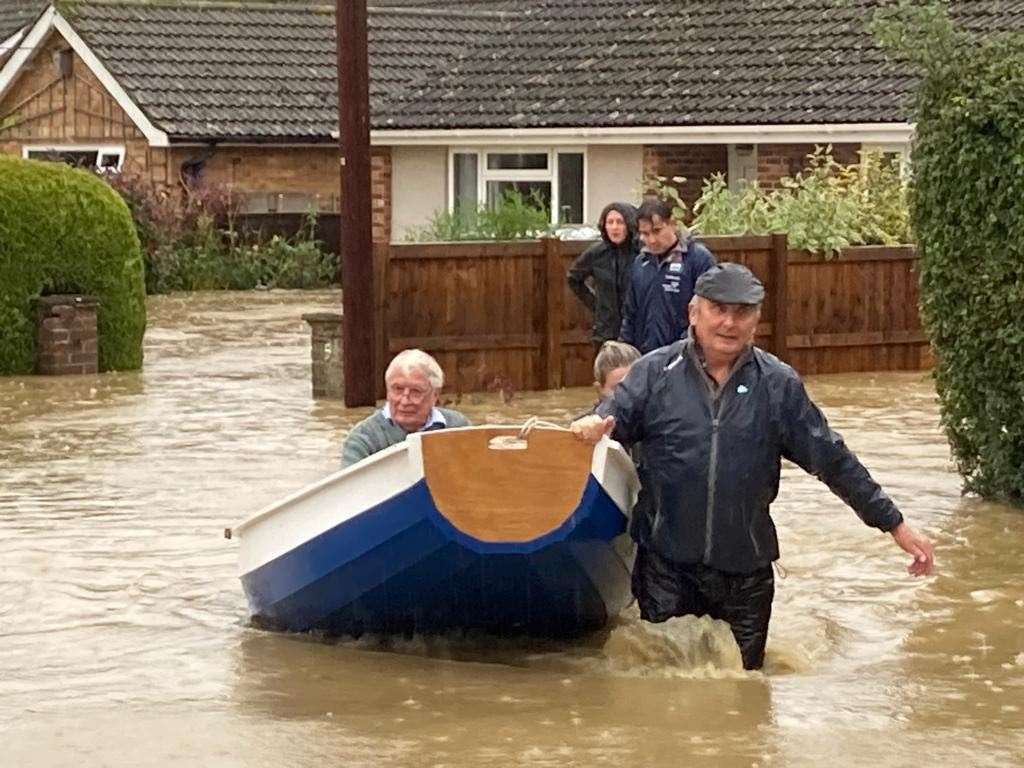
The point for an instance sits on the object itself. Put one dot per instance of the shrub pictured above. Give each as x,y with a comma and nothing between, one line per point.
190,243
665,188
968,161
516,217
823,209
62,230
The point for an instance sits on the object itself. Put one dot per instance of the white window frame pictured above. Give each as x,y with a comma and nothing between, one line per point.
903,150
99,149
550,175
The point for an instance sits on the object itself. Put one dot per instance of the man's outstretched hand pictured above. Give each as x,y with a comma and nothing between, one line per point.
917,546
590,429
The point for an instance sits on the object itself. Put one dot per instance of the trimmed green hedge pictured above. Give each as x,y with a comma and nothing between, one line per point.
63,230
967,205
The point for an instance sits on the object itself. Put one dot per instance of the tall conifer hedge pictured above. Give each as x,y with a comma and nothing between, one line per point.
63,230
967,209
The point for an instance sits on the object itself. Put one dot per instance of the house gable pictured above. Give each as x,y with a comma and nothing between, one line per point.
36,110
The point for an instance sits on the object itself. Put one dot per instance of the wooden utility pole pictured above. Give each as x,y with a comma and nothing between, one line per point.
356,237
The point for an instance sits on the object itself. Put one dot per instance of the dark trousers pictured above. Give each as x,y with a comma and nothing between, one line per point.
665,589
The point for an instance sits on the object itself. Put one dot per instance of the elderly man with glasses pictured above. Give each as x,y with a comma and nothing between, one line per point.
413,381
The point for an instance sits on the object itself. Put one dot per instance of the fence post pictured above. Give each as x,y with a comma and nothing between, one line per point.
554,290
381,263
780,294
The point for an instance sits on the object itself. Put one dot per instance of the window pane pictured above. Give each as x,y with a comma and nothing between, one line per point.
570,188
517,161
465,172
77,158
538,193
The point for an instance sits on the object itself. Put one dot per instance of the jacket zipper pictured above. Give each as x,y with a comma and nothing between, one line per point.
715,397
712,475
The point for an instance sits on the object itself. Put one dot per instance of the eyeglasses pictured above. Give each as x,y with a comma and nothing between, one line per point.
412,394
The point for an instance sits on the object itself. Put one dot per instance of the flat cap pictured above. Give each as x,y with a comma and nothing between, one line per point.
730,283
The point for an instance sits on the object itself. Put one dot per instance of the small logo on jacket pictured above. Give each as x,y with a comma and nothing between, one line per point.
742,389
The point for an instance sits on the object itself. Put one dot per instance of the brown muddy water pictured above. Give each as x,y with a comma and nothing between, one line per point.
124,636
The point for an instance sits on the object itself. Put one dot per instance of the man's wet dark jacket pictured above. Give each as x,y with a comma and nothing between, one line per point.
607,265
712,459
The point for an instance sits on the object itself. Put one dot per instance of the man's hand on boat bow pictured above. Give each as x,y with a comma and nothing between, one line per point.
590,429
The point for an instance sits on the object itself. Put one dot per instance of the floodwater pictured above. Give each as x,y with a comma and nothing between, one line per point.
124,637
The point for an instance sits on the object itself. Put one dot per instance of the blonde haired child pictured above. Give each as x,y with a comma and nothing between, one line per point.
611,365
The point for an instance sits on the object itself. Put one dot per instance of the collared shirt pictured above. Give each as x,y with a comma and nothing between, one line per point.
435,420
702,363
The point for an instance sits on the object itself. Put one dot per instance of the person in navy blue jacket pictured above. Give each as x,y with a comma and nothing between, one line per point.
661,279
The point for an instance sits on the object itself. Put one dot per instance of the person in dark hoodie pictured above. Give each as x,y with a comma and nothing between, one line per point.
662,279
600,275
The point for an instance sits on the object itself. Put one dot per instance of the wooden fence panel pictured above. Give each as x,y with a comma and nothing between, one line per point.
857,312
474,306
501,315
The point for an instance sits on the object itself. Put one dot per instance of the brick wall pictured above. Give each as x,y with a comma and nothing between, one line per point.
775,161
698,161
265,172
292,178
693,161
380,189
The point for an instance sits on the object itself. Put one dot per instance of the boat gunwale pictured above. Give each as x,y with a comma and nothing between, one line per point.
598,464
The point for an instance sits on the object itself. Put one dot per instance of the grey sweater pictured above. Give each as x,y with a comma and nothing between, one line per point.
375,433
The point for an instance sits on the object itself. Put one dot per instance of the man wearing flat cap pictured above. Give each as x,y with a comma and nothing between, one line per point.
716,415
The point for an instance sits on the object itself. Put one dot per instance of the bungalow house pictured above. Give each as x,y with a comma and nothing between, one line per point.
574,100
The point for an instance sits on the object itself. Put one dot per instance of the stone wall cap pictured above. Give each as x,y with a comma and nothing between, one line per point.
322,317
61,299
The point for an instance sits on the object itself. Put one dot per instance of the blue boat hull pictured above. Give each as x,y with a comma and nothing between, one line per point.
401,567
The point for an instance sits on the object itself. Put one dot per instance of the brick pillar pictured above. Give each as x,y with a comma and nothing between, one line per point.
326,355
66,340
380,190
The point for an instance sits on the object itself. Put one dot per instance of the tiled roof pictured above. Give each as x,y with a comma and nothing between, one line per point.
17,14
603,63
267,71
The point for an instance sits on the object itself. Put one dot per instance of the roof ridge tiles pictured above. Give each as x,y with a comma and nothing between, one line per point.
373,7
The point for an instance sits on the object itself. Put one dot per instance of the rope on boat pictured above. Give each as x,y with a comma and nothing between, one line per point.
519,442
532,422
